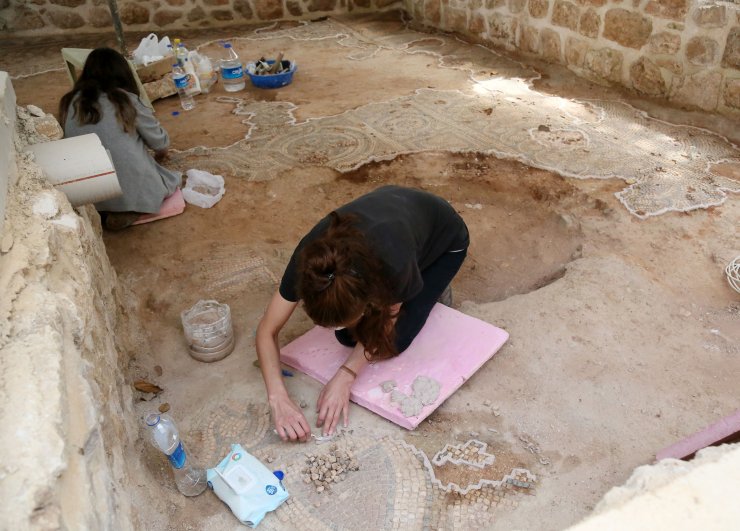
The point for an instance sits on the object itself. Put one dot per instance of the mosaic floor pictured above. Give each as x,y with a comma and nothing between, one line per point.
395,485
666,167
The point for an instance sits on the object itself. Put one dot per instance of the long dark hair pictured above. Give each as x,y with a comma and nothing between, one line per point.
340,279
105,71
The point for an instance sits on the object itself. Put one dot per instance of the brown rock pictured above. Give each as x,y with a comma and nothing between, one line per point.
565,14
48,127
710,16
494,4
605,63
68,3
244,9
133,14
595,3
380,4
166,17
361,3
550,41
456,19
516,6
294,8
627,28
665,43
477,24
196,14
670,64
66,19
731,93
313,5
502,27
575,51
590,23
647,78
99,17
26,19
538,8
530,39
216,2
222,14
698,90
176,2
702,51
672,9
731,56
431,12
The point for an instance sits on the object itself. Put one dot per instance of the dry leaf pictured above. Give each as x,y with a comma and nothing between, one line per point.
164,408
147,387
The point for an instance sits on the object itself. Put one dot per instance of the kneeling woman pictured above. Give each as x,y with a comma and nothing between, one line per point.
105,101
372,270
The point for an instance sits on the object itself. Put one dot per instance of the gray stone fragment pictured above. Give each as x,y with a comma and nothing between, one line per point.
426,389
388,386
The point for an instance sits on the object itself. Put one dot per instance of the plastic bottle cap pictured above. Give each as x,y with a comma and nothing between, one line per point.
152,419
227,45
279,474
175,64
175,113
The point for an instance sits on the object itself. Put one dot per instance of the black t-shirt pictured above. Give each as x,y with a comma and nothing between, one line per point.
407,228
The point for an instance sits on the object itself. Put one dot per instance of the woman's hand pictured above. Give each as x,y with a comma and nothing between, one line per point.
333,402
289,420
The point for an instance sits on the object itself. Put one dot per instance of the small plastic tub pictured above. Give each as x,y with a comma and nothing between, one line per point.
272,80
208,330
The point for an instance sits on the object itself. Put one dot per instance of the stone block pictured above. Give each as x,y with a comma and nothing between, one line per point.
495,4
664,43
196,14
99,17
605,63
710,16
702,51
8,168
270,9
565,14
670,9
68,3
529,40
477,24
244,10
222,15
731,93
66,19
731,57
133,14
550,44
516,6
502,27
216,2
380,4
313,5
589,24
595,3
455,19
647,77
362,3
575,51
294,8
166,17
431,12
26,19
629,29
176,3
701,90
671,65
538,8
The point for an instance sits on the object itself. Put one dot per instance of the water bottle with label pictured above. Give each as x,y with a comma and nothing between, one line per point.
182,84
232,71
163,434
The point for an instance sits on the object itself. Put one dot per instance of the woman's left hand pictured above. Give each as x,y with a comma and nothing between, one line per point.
333,402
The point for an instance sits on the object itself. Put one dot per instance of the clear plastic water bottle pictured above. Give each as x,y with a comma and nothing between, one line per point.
182,83
232,71
163,434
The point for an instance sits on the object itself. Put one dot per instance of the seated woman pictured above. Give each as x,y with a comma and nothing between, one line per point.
372,270
105,101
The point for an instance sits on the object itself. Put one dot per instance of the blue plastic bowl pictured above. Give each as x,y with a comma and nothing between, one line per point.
272,80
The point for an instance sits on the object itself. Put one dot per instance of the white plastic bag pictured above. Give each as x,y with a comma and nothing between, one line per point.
203,189
151,49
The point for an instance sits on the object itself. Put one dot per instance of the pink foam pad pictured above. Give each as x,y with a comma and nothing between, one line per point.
722,429
172,205
449,349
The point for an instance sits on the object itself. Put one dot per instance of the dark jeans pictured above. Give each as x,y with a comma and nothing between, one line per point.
414,313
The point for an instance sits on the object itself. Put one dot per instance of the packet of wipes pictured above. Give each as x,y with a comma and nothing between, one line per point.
243,483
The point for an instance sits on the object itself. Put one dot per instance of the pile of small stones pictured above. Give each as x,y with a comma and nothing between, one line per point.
327,469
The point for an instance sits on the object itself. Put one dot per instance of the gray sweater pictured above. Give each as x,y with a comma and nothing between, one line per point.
145,183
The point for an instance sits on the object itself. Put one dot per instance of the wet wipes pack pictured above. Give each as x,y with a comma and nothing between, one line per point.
243,483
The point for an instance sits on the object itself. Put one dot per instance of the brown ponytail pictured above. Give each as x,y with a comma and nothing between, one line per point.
341,279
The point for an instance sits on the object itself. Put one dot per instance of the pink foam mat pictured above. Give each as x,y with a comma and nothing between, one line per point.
450,348
172,205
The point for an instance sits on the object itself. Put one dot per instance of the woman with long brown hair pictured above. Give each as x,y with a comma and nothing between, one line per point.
372,270
105,100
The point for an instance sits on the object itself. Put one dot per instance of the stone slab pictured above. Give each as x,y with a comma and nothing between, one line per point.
450,348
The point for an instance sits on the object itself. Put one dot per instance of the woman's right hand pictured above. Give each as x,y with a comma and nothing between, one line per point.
289,420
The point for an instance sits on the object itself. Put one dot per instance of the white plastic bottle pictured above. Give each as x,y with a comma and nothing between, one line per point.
163,434
232,71
182,81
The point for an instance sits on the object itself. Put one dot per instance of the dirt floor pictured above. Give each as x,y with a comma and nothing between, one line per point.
599,234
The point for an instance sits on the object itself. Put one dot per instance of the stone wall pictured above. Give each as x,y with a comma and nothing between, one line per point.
45,17
65,406
687,51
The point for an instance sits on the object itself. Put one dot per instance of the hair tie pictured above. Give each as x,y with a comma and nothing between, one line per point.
330,276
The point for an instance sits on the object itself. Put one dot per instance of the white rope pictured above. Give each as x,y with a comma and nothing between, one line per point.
733,273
